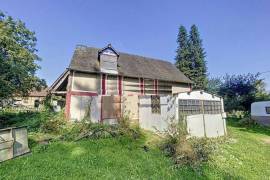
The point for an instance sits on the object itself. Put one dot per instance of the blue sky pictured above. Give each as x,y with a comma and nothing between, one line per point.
236,34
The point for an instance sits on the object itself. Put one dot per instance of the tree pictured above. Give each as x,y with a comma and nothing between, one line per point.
17,59
239,91
197,57
213,85
262,94
182,59
190,57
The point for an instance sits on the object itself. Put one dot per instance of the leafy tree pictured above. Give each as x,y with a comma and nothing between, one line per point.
17,59
239,91
182,59
197,57
261,94
213,85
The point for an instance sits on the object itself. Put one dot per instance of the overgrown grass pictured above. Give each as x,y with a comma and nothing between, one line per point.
245,155
92,159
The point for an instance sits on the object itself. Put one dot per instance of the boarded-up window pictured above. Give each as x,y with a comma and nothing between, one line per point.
267,109
155,104
111,107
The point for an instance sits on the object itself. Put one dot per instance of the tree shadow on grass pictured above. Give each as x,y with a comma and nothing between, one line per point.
252,128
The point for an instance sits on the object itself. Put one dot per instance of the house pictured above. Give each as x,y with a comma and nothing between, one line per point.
33,100
260,112
107,82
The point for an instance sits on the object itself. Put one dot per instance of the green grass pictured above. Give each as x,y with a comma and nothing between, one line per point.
88,159
245,155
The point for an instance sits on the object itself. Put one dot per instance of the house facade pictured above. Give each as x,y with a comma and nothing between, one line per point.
107,81
35,99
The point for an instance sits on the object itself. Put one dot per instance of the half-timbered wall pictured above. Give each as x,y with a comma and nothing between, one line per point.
112,85
164,87
131,85
180,87
86,82
135,86
149,86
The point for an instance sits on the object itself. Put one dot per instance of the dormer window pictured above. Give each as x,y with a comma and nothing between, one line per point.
108,60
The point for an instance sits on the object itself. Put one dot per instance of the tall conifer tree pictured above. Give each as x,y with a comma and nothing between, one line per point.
182,59
197,57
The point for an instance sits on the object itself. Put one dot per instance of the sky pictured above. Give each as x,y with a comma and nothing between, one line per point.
235,33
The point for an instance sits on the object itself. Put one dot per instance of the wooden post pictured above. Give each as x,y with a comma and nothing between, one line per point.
203,118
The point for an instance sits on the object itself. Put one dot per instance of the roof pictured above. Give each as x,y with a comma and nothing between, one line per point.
199,94
86,59
42,93
59,81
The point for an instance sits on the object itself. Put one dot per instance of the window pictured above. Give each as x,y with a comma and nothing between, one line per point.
267,109
194,106
25,100
155,104
190,106
212,107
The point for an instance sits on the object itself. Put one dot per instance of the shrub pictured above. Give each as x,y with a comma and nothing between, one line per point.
126,128
32,119
183,150
85,129
55,124
246,121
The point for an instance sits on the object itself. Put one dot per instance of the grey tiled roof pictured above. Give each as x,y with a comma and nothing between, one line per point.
86,59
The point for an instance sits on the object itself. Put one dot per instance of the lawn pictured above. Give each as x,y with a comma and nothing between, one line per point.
245,155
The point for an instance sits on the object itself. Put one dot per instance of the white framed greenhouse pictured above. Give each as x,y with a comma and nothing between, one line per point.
204,113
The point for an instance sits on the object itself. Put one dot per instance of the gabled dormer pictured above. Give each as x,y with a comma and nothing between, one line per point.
108,60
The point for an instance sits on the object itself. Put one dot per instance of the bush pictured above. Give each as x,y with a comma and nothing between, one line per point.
55,124
186,151
126,128
85,129
32,119
246,121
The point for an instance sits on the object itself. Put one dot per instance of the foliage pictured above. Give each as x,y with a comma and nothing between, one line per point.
243,156
55,124
213,85
246,121
111,158
17,59
184,151
190,58
42,121
239,91
183,62
198,59
85,129
261,93
33,120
